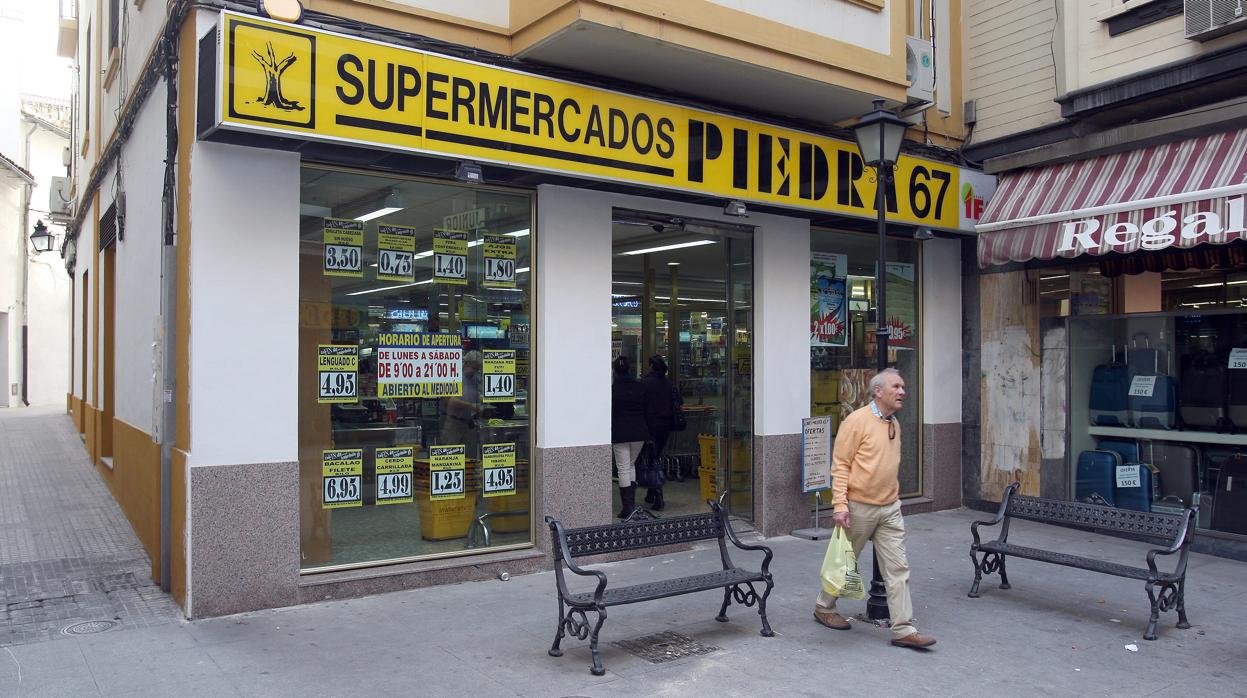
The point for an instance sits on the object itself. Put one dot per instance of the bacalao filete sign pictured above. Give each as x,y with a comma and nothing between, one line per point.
291,80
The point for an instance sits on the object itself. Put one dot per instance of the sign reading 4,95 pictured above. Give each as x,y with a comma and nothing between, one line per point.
498,462
396,248
499,261
498,367
344,247
342,471
336,370
394,467
450,256
447,471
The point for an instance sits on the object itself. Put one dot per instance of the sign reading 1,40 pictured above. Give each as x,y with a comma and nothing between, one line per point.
394,263
450,266
499,385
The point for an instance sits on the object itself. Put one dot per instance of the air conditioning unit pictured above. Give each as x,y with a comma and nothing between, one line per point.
920,70
1208,19
60,203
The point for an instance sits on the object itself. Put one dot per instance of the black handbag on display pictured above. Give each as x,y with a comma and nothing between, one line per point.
678,420
649,468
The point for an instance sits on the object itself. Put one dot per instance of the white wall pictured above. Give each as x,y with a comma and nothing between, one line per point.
941,331
835,19
495,12
12,257
244,289
137,359
573,318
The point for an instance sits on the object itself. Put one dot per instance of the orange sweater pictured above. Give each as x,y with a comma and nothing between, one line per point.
865,463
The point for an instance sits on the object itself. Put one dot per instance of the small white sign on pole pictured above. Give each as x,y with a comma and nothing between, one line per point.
815,454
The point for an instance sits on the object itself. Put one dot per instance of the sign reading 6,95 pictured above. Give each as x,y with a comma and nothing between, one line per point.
342,488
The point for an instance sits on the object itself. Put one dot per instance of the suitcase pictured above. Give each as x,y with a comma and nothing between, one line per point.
1136,486
1236,409
1128,449
1155,407
1203,391
1178,465
1229,510
1109,384
1095,477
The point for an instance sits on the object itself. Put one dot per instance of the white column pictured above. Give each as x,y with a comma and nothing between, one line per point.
941,331
781,337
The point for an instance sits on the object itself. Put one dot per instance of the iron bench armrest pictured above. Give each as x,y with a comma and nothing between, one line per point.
1000,515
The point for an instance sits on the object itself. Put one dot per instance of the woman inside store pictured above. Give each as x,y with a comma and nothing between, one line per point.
629,429
459,424
660,398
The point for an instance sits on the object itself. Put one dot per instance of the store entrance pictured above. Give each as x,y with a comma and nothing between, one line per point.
682,289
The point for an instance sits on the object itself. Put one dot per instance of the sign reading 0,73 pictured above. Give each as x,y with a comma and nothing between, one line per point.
294,81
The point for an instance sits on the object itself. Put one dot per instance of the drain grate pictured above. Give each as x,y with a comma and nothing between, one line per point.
89,627
664,647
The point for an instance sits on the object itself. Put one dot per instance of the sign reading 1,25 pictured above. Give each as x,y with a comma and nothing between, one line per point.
447,476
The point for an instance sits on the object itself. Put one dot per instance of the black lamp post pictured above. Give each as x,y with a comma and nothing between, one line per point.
41,239
879,135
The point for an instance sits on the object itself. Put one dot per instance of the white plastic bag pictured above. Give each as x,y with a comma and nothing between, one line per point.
840,576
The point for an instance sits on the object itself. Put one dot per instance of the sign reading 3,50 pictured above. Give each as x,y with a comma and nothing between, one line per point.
344,247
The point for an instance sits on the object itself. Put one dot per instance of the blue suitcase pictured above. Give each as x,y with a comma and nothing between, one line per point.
1095,477
1156,405
1110,384
1136,486
1128,449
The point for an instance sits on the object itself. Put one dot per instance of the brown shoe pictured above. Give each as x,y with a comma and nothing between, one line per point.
831,619
915,641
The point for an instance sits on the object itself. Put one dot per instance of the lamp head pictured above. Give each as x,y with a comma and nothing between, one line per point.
879,135
41,239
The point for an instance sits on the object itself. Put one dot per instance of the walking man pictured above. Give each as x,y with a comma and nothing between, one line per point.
865,494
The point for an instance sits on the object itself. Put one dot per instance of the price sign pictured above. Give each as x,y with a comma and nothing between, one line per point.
450,256
498,462
342,471
447,471
499,261
396,247
1238,358
1142,386
337,367
1128,476
498,368
394,466
815,454
419,365
344,247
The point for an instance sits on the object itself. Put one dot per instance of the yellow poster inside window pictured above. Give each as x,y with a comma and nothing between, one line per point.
447,472
498,465
342,473
394,475
344,247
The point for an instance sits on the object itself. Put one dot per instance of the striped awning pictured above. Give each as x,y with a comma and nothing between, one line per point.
1178,194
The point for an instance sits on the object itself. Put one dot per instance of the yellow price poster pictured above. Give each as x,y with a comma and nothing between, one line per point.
419,365
450,256
447,471
396,249
344,247
337,367
498,461
498,367
394,466
342,472
499,266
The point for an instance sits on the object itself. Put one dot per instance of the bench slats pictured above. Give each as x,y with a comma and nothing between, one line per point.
670,587
595,540
1068,560
1162,527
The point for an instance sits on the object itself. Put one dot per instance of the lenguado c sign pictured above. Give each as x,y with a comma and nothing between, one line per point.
1167,228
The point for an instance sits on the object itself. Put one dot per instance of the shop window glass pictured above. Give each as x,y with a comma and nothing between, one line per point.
1074,290
842,337
414,356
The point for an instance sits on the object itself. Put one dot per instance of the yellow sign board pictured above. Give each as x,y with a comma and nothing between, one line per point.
289,80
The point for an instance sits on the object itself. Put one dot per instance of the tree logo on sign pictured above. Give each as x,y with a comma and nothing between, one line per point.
273,70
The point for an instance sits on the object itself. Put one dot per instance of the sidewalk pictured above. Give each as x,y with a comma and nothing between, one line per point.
1056,632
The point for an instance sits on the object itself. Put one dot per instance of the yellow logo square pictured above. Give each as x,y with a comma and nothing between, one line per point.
270,74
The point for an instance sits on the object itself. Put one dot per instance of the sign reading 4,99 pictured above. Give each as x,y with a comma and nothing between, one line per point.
450,256
498,463
499,375
344,247
342,472
394,467
447,471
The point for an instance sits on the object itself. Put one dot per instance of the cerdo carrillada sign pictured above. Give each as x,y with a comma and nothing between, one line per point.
290,80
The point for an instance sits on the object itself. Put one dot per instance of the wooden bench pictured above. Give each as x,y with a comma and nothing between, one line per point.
570,543
1165,590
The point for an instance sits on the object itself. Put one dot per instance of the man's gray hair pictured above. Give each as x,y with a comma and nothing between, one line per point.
876,383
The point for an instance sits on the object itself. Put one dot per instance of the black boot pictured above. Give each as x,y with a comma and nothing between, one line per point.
658,502
627,496
649,495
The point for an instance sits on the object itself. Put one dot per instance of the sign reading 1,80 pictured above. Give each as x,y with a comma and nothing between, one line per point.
394,263
341,488
337,384
499,270
446,482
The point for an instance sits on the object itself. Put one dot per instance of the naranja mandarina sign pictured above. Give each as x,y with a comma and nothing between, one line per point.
289,80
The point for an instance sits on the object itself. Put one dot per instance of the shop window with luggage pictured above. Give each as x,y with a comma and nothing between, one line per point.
414,327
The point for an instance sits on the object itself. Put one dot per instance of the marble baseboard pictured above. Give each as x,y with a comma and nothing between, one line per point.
574,486
244,538
942,464
779,505
416,575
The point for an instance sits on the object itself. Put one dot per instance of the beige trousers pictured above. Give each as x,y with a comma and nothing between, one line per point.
626,453
884,526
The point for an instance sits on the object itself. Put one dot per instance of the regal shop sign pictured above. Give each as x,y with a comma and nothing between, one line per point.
288,80
1156,233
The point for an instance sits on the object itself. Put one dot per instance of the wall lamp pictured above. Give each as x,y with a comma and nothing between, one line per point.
469,172
923,233
42,240
735,208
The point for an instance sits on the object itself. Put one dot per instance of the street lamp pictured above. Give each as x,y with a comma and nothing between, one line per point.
879,135
41,239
